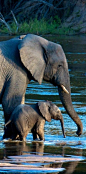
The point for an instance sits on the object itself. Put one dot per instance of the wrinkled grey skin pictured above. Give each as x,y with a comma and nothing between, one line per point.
31,57
26,118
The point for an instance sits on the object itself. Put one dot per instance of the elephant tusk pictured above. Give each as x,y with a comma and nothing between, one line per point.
64,89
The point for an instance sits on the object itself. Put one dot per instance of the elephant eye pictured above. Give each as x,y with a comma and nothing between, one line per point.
59,65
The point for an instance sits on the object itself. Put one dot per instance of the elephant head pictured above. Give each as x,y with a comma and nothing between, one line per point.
46,60
51,111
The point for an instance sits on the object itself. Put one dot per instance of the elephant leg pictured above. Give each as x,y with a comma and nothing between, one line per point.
40,131
35,136
21,132
22,138
34,132
41,134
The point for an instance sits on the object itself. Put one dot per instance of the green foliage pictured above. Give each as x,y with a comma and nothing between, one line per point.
38,27
13,27
24,27
65,31
3,29
57,20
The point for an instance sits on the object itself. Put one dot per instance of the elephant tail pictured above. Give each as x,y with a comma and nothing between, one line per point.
9,121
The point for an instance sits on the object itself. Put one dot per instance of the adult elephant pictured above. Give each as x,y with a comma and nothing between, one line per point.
32,57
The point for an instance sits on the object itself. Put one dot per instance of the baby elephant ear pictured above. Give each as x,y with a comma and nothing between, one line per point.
44,109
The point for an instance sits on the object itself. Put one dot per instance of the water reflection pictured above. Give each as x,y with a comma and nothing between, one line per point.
14,149
21,148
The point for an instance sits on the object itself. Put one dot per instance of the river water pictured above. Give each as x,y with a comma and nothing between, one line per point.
54,144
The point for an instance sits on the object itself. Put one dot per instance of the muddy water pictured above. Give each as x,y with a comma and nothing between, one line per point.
55,144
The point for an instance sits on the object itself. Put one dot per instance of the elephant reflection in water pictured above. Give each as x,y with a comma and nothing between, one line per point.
22,148
38,148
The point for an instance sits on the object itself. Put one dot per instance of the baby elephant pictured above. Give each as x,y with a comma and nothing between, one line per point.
26,118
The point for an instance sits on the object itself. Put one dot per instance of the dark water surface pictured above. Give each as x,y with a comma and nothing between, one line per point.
55,144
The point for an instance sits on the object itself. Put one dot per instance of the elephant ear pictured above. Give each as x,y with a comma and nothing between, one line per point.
31,55
44,109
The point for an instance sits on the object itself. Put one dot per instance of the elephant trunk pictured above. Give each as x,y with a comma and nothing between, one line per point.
62,125
67,103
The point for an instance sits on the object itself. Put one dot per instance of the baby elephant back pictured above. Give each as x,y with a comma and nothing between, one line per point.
21,109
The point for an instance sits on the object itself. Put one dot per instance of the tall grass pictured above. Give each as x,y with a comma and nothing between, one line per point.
38,27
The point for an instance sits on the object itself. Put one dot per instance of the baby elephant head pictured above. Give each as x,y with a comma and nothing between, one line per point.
51,111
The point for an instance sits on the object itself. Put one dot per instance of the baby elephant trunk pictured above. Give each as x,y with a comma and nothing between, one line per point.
62,125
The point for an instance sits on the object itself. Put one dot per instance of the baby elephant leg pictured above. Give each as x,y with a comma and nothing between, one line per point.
22,138
35,136
40,130
22,132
